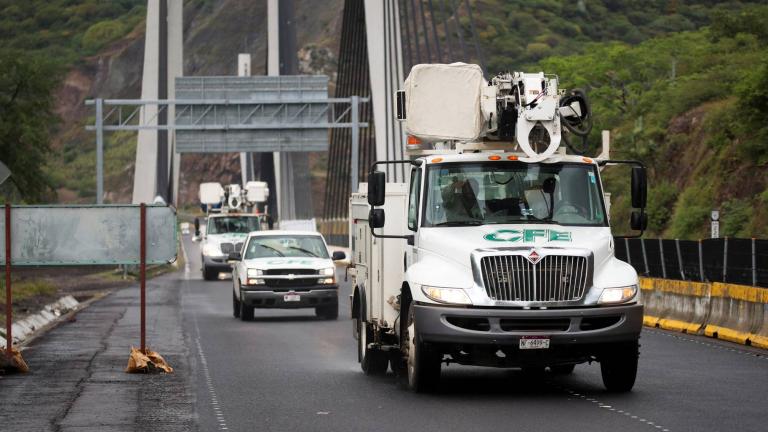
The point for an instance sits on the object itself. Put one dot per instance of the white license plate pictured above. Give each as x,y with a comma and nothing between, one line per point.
291,297
534,342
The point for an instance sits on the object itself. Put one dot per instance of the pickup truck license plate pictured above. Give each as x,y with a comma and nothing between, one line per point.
291,297
534,342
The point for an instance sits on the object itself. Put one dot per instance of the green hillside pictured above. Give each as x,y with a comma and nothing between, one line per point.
692,106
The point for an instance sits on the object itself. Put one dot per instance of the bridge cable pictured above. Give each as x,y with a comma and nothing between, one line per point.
434,32
447,30
459,31
475,38
426,31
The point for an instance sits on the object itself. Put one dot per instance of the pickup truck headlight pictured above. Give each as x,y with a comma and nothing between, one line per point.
446,295
211,249
330,271
618,295
326,281
253,277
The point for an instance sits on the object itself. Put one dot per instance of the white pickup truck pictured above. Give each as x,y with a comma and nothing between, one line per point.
284,270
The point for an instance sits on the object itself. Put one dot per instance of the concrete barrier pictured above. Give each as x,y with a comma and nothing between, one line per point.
736,313
675,305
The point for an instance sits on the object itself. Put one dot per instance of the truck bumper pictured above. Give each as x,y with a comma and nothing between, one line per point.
473,335
218,263
321,295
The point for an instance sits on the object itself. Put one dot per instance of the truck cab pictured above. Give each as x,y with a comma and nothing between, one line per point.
493,256
224,233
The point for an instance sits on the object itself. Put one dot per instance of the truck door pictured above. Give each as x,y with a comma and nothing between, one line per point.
414,206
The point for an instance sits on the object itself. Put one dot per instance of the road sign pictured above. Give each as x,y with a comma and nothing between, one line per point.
268,113
88,235
715,218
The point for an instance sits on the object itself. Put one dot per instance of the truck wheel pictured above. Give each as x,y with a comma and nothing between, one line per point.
562,369
246,312
209,275
235,306
619,367
372,362
327,312
422,363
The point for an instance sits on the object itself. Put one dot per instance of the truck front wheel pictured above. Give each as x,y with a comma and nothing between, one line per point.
372,362
422,363
619,367
235,306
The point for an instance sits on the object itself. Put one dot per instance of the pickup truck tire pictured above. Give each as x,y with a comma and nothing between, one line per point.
619,367
327,312
246,312
372,362
235,306
209,274
422,363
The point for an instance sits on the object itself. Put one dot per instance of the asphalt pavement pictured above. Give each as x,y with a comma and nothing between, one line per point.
289,371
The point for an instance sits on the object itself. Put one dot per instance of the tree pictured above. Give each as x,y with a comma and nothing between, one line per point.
26,117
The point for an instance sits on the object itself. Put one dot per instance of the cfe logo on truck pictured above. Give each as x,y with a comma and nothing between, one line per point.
528,235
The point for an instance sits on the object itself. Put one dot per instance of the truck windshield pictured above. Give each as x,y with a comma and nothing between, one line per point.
513,192
286,246
232,224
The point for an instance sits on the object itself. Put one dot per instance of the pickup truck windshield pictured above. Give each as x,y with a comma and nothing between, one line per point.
232,224
286,246
513,192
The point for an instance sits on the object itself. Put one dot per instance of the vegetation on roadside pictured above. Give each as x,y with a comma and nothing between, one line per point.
692,106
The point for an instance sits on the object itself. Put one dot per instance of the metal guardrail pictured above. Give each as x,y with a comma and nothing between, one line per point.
731,260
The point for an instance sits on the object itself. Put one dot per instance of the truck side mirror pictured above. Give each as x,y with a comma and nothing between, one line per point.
197,227
376,184
376,218
235,256
338,255
639,221
639,187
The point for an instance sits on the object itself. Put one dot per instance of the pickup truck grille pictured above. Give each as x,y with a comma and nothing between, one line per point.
555,278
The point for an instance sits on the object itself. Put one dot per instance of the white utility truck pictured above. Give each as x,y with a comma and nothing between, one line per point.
226,225
498,251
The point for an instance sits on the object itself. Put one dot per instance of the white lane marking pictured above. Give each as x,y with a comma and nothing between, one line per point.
208,380
186,259
609,407
708,344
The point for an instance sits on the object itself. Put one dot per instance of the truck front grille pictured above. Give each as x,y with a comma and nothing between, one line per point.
227,248
555,278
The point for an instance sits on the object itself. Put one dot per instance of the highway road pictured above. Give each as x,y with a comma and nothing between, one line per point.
288,371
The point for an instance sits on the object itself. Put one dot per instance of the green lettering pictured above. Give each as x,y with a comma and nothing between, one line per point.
530,235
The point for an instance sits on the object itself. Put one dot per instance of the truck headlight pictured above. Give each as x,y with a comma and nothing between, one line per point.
618,295
446,295
211,249
330,271
253,277
326,281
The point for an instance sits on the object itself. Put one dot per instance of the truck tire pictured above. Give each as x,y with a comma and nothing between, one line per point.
209,275
422,363
246,312
619,367
330,312
372,362
235,306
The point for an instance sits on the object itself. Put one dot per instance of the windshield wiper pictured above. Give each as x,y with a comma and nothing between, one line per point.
459,223
310,253
270,247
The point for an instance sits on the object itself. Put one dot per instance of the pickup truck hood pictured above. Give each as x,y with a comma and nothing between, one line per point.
226,238
288,263
456,244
